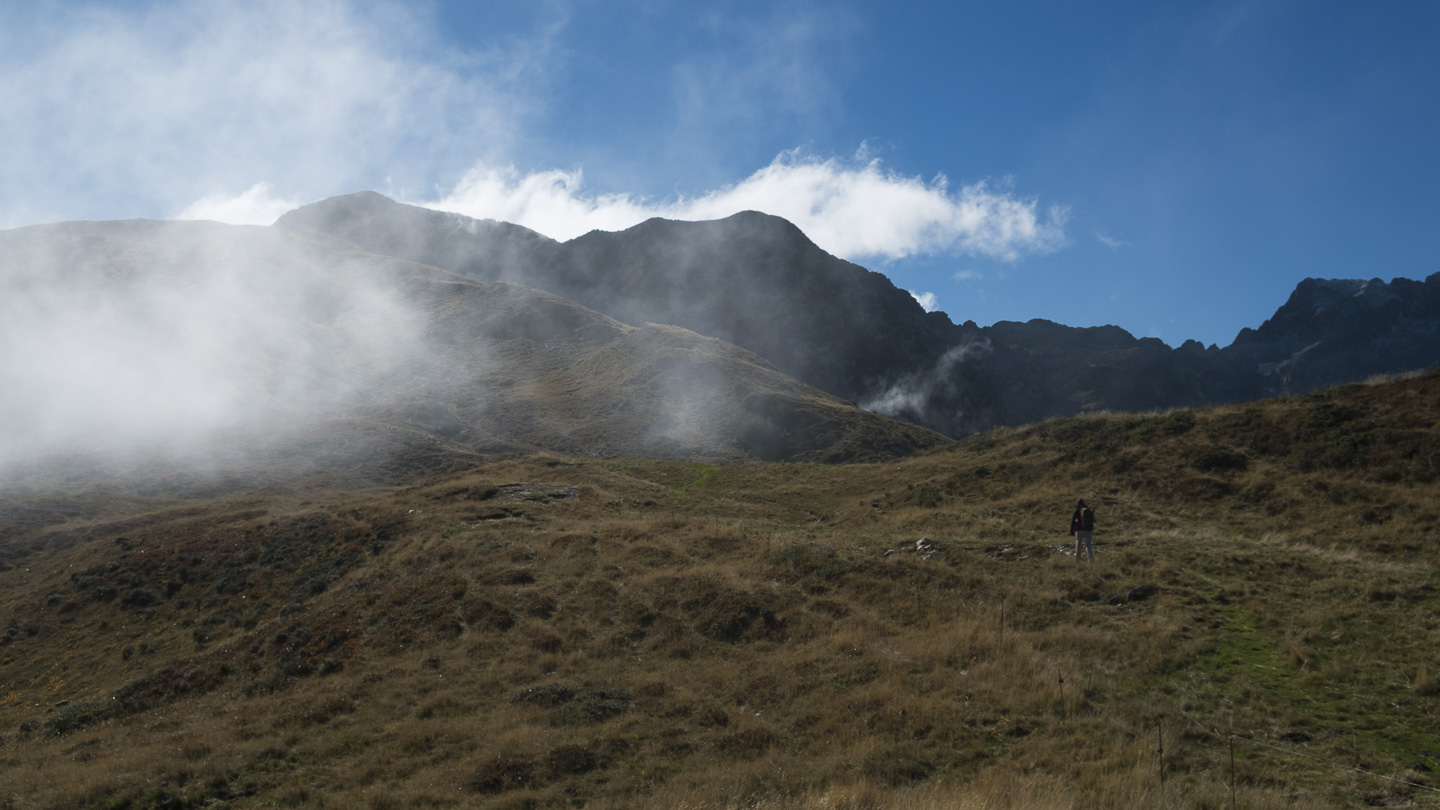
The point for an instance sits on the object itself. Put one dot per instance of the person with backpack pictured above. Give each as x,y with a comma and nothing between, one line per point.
1082,526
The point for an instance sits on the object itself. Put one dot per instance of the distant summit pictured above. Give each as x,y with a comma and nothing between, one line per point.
1335,331
756,281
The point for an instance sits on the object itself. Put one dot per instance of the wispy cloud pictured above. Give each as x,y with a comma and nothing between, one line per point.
1109,241
168,103
760,72
968,275
853,208
915,395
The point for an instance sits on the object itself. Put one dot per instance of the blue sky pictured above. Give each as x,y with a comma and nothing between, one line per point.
1174,169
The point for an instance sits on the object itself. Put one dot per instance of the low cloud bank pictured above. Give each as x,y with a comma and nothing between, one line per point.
145,337
852,208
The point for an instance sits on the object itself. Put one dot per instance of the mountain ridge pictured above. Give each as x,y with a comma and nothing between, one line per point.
752,281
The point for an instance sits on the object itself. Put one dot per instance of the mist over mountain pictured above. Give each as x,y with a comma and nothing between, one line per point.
750,279
756,281
375,338
121,335
139,347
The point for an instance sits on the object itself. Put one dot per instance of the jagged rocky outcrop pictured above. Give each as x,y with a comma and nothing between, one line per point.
1338,331
756,281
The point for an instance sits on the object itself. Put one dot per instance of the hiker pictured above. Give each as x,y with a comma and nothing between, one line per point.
1082,525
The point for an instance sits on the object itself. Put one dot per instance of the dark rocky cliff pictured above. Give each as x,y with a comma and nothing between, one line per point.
1337,331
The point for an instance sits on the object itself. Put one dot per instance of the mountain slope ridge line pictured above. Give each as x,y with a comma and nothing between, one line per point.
756,281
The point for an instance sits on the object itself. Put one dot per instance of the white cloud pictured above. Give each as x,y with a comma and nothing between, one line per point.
255,206
968,275
853,208
550,202
927,300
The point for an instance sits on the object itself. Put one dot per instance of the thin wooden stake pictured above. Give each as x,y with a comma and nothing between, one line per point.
1160,752
1232,772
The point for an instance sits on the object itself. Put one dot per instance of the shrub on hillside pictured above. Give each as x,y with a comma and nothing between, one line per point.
138,598
571,759
503,773
899,764
73,718
1221,459
815,560
569,704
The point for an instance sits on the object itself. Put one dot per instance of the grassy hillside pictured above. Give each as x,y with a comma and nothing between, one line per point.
1260,627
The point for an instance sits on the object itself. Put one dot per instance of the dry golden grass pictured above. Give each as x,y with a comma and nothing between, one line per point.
757,636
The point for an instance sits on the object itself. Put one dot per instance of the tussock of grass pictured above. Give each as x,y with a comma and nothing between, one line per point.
759,636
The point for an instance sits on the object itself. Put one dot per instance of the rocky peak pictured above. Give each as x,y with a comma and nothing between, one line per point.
1333,331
